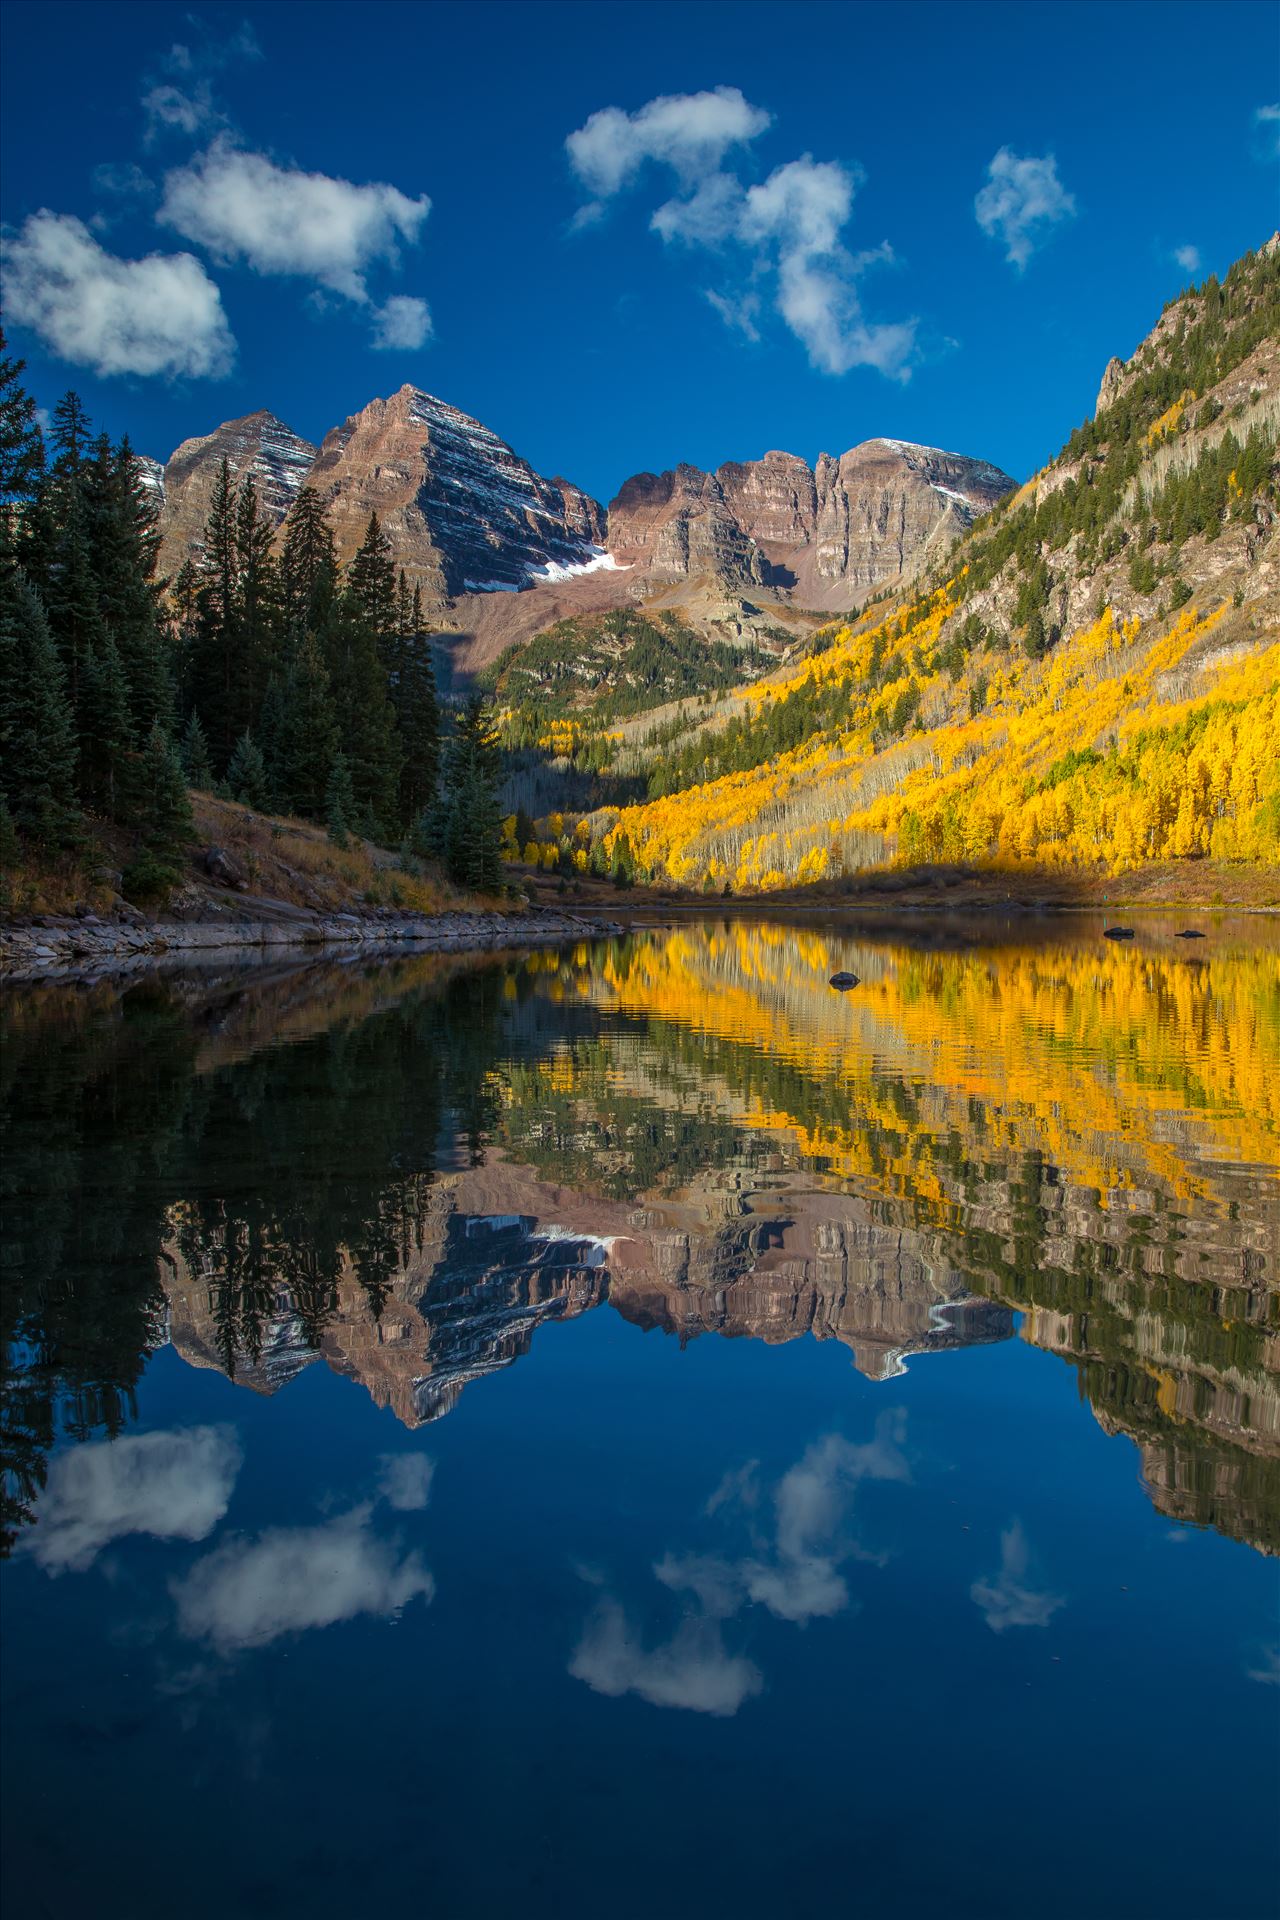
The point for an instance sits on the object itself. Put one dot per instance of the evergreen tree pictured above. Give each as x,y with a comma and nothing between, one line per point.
247,773
21,454
195,755
309,732
472,836
37,732
213,681
308,565
339,802
106,732
123,548
371,582
165,817
164,804
366,719
417,711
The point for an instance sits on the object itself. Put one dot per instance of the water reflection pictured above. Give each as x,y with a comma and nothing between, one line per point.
405,1172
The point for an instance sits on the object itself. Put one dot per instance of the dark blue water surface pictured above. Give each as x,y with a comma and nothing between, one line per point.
629,1432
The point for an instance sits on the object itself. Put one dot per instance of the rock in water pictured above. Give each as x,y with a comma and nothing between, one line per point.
843,981
1190,933
1117,933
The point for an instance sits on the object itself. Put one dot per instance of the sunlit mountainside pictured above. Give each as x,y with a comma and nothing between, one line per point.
1091,678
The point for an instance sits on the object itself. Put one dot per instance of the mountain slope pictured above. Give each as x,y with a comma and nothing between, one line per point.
1093,676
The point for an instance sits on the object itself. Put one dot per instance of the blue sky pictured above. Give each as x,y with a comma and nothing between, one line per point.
655,233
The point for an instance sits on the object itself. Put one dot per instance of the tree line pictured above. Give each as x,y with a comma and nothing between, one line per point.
263,672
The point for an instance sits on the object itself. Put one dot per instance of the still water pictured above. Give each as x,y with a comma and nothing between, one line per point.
632,1431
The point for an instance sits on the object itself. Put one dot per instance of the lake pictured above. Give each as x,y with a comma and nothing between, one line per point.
635,1431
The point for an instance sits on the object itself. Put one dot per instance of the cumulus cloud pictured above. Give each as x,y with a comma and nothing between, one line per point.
247,1593
792,1570
1188,258
173,1485
693,1669
787,230
689,132
280,220
1022,202
159,315
1005,1598
1266,131
402,322
795,1573
405,1480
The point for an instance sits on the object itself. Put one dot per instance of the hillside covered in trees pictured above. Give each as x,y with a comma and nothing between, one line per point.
262,673
1090,681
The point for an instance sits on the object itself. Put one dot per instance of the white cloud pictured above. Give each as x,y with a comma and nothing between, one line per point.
789,228
1021,202
795,1575
1188,258
689,132
402,322
1266,130
181,99
160,315
693,1669
1005,1599
172,1485
279,220
405,1480
249,1592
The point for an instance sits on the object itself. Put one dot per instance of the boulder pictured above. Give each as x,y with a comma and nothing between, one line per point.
224,868
843,981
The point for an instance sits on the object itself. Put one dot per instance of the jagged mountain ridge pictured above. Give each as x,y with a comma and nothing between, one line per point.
468,517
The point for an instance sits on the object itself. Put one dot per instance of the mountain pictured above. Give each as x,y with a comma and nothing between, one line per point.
258,447
827,535
749,555
463,512
1089,678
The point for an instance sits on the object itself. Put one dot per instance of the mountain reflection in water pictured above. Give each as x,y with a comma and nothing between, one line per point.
405,1171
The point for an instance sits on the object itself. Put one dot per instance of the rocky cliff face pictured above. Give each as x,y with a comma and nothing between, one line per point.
464,513
467,516
827,535
258,447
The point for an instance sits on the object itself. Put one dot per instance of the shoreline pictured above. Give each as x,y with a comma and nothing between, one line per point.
62,947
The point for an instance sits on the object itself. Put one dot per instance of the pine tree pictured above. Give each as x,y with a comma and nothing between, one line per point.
308,565
247,773
472,818
165,817
215,681
123,547
417,710
366,719
21,455
37,732
106,732
339,802
371,582
309,732
195,755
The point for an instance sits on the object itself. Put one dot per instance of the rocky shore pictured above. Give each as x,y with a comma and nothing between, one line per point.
54,945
